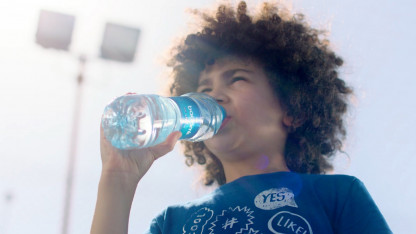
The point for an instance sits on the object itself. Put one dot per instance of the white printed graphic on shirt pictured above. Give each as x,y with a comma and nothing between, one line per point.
275,198
233,220
252,231
196,223
240,219
287,222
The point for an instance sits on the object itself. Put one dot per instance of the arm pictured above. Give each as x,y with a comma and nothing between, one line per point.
115,196
121,172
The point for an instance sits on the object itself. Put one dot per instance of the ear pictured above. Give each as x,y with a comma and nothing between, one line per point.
290,122
287,120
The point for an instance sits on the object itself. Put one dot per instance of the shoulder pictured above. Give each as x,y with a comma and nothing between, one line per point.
310,182
333,187
343,182
331,178
338,188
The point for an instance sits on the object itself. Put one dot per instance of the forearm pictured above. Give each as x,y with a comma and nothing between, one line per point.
115,196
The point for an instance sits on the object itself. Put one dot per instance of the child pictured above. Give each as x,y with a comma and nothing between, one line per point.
278,82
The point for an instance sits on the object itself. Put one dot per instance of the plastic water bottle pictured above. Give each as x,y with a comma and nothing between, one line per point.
140,121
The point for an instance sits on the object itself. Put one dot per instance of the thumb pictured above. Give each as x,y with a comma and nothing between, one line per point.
167,146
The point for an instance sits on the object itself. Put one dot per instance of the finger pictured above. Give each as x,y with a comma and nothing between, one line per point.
167,146
105,145
173,137
101,132
102,136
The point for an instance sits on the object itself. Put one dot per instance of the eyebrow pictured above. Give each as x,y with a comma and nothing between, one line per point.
226,74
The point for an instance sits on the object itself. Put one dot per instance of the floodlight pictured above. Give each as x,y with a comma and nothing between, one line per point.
55,30
119,42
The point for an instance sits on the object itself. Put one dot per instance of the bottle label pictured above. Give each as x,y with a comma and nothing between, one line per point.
190,116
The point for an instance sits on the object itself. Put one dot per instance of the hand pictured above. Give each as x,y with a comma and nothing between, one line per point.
132,164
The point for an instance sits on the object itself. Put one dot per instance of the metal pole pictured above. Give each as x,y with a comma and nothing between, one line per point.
73,147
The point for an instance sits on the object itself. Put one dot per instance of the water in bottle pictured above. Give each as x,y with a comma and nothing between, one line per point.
139,121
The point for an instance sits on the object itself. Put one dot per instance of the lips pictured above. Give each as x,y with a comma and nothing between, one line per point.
225,121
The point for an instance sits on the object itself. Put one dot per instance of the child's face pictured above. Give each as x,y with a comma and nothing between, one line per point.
255,122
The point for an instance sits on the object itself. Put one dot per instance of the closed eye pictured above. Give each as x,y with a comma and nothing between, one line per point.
237,78
204,90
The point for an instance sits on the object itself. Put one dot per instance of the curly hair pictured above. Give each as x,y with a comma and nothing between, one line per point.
301,68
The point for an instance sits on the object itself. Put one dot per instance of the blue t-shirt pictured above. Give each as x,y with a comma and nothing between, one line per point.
281,202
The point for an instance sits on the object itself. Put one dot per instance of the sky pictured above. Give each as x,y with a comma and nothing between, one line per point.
38,89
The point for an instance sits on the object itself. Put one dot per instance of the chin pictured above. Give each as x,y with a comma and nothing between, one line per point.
219,144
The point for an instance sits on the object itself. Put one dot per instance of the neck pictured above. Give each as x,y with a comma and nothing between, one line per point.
253,165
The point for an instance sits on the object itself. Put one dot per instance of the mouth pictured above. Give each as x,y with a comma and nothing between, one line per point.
224,122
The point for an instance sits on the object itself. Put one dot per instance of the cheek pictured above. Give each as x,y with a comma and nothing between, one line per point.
261,109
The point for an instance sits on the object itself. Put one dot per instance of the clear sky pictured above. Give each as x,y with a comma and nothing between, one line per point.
37,95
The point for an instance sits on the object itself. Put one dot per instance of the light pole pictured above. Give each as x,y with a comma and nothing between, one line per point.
119,44
73,146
